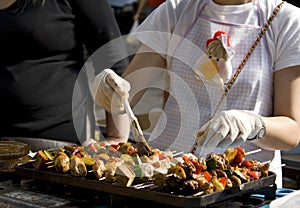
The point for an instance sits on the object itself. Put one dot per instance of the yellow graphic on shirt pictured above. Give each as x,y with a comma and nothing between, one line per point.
214,65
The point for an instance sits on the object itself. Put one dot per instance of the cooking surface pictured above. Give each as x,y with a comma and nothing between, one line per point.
35,193
65,190
149,191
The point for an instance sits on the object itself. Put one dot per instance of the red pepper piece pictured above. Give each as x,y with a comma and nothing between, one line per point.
78,155
223,181
240,155
248,164
207,175
115,146
132,151
185,157
254,174
199,167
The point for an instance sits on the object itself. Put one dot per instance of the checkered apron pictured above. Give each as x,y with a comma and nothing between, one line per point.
192,101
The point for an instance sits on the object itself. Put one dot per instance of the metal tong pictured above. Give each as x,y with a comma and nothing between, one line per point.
142,145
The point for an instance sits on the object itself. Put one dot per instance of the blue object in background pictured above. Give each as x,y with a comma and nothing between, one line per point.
295,151
280,192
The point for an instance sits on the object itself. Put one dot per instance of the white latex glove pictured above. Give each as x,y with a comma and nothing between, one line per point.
229,129
110,91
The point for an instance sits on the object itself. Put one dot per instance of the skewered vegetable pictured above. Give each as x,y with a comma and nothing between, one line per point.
217,172
40,160
124,175
186,174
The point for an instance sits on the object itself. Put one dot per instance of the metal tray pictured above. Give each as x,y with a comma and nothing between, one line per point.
147,191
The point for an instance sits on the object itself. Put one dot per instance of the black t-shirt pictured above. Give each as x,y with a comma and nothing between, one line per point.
41,54
294,2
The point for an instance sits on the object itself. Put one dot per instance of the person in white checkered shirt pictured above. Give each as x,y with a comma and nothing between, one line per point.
261,109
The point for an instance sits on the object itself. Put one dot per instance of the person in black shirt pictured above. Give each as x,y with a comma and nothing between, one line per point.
43,46
294,2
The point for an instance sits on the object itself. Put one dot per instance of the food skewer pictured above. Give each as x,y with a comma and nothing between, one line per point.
178,153
252,152
30,161
277,166
198,193
194,176
51,166
143,185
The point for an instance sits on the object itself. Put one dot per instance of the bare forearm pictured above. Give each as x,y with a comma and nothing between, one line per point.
283,130
145,67
283,133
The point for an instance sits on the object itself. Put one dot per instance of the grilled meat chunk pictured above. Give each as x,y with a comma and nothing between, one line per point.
99,168
77,167
62,162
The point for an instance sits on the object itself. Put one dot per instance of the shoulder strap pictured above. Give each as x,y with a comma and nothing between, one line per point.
246,57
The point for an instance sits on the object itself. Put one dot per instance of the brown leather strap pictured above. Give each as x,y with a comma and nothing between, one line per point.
242,64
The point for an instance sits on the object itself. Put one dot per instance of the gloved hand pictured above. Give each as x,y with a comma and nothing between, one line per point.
229,129
110,90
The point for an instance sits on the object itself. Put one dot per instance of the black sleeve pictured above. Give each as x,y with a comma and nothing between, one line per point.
100,34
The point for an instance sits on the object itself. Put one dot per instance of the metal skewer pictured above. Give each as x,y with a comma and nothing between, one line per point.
178,153
252,152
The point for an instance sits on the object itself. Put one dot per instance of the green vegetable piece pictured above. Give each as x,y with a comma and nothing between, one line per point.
49,155
240,176
211,164
136,158
68,153
228,173
137,169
